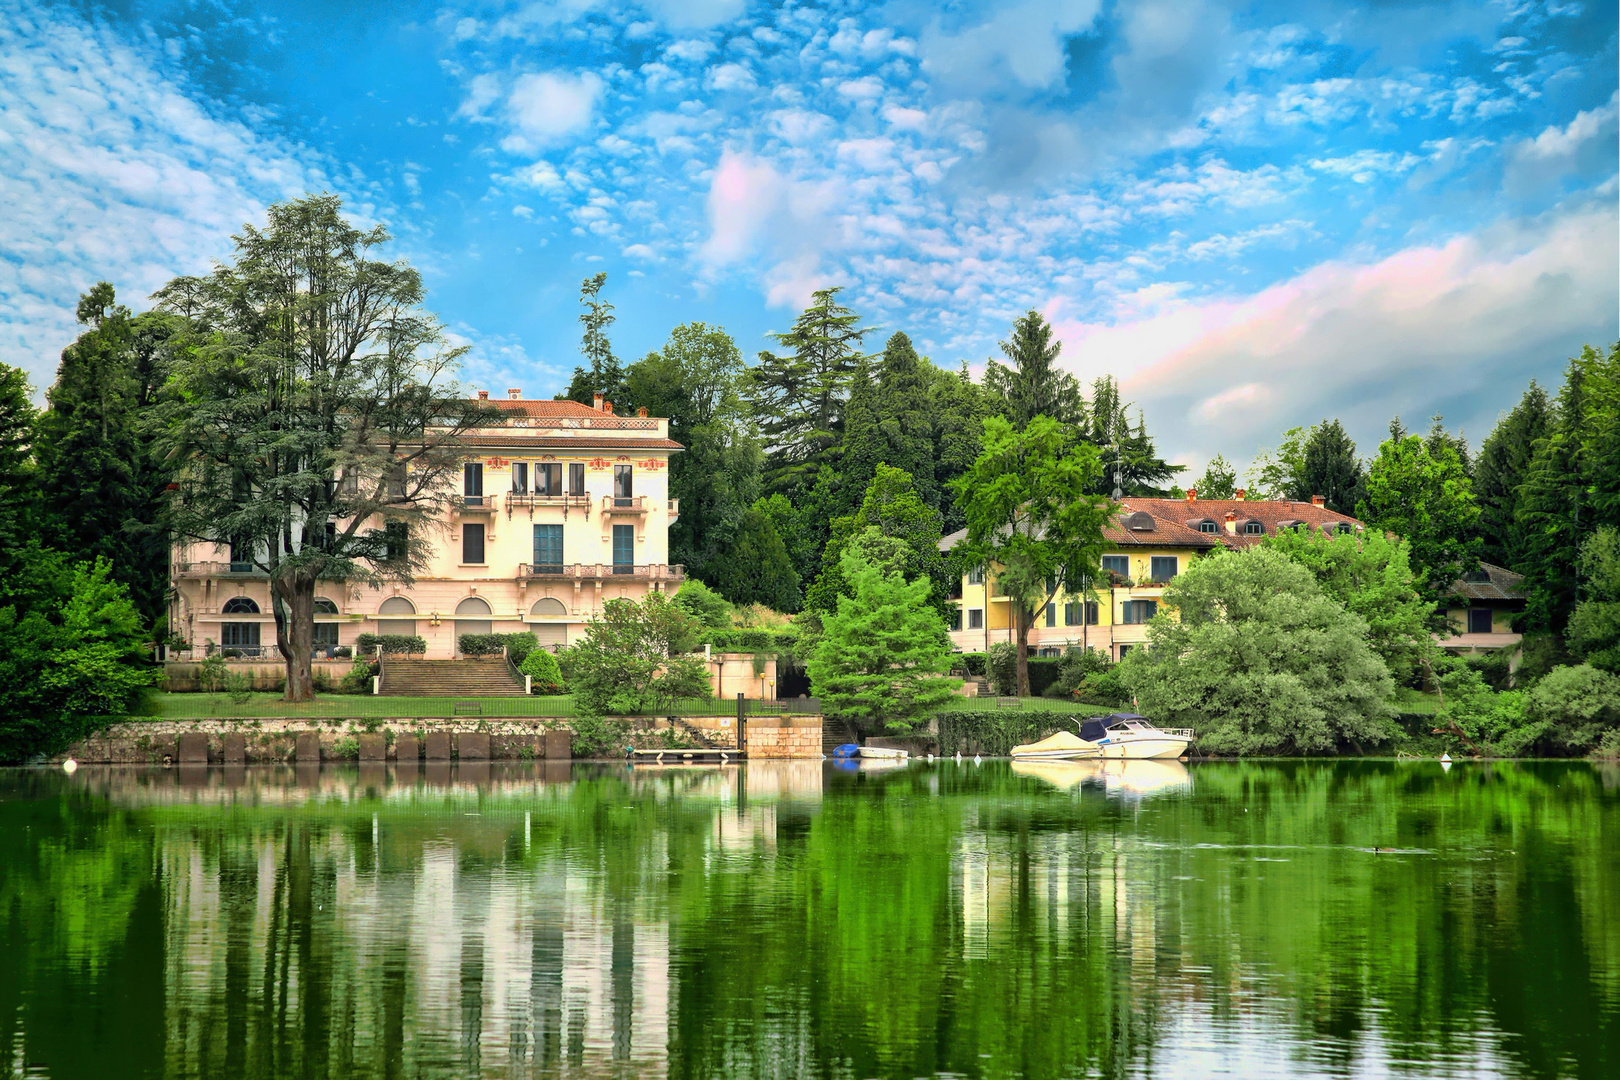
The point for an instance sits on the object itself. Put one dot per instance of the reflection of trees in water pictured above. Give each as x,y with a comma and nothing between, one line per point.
696,924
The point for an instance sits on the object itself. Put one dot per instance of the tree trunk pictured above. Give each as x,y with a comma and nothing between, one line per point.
296,633
1024,620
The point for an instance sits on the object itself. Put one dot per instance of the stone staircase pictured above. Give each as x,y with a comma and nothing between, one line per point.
834,733
472,677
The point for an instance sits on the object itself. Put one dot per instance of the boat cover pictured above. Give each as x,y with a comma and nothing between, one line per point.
848,749
1063,740
1095,729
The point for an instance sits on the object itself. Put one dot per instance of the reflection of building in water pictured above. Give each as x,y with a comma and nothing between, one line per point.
497,931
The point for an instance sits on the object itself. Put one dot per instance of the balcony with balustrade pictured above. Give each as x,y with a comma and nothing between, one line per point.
662,572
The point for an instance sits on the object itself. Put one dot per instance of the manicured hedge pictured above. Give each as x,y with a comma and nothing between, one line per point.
392,644
517,646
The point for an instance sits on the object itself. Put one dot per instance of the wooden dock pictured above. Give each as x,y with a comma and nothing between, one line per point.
703,755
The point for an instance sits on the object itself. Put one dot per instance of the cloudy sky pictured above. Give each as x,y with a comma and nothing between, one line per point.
1254,214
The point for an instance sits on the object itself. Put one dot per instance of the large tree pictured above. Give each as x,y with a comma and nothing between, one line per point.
1502,467
1258,660
1420,491
1131,463
1370,573
1218,482
1572,486
1032,517
635,659
1329,467
311,417
697,380
892,506
1032,384
959,406
19,499
96,472
890,422
884,654
799,395
601,373
755,568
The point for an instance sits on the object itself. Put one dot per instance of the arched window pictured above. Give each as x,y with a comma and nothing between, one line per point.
1253,528
396,615
548,607
240,605
323,606
473,617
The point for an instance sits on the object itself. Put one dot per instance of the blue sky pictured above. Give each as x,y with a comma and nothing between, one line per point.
1254,214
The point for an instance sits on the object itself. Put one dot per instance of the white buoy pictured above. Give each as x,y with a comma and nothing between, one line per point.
70,766
1445,759
975,759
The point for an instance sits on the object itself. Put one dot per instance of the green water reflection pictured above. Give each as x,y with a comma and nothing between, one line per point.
795,920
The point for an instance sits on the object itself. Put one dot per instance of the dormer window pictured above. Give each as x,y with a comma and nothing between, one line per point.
1253,528
1206,526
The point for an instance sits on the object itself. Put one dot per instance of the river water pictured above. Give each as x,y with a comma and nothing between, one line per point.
1148,919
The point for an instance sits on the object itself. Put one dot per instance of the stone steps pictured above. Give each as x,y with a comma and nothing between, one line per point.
449,678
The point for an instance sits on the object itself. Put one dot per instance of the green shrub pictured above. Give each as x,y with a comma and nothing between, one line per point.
347,748
996,731
1002,665
1493,666
545,674
517,646
704,604
238,687
599,736
392,644
358,680
211,674
970,662
1581,704
1043,672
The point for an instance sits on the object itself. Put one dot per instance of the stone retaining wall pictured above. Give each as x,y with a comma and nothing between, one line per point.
784,737
280,741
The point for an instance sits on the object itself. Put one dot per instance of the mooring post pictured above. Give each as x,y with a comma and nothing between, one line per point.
742,722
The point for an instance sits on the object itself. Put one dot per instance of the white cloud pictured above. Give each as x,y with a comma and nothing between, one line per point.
1021,42
691,50
728,77
547,108
756,211
113,173
1472,319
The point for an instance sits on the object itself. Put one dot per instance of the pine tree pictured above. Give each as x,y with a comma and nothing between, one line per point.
19,501
604,375
101,485
1034,386
959,407
755,568
800,396
892,505
890,421
1502,468
1131,464
1329,467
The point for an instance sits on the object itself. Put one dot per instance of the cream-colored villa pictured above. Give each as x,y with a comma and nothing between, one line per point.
564,507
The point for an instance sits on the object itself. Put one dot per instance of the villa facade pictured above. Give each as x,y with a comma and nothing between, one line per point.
1149,542
561,507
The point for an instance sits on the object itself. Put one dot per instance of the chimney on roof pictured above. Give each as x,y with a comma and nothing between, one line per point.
483,395
597,402
514,393
1231,522
1192,494
607,406
642,411
1239,494
1318,500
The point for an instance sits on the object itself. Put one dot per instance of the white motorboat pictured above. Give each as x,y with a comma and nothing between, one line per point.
1063,746
1132,737
884,753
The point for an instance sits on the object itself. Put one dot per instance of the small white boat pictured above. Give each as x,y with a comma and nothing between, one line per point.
1062,746
1134,738
884,753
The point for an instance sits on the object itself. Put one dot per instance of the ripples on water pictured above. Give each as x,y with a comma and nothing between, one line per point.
801,919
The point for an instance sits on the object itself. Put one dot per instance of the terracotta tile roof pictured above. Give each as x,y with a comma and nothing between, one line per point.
521,407
1175,522
1271,516
550,440
1502,585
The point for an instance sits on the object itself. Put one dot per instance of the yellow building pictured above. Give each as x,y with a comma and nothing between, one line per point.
562,507
1481,608
1149,542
